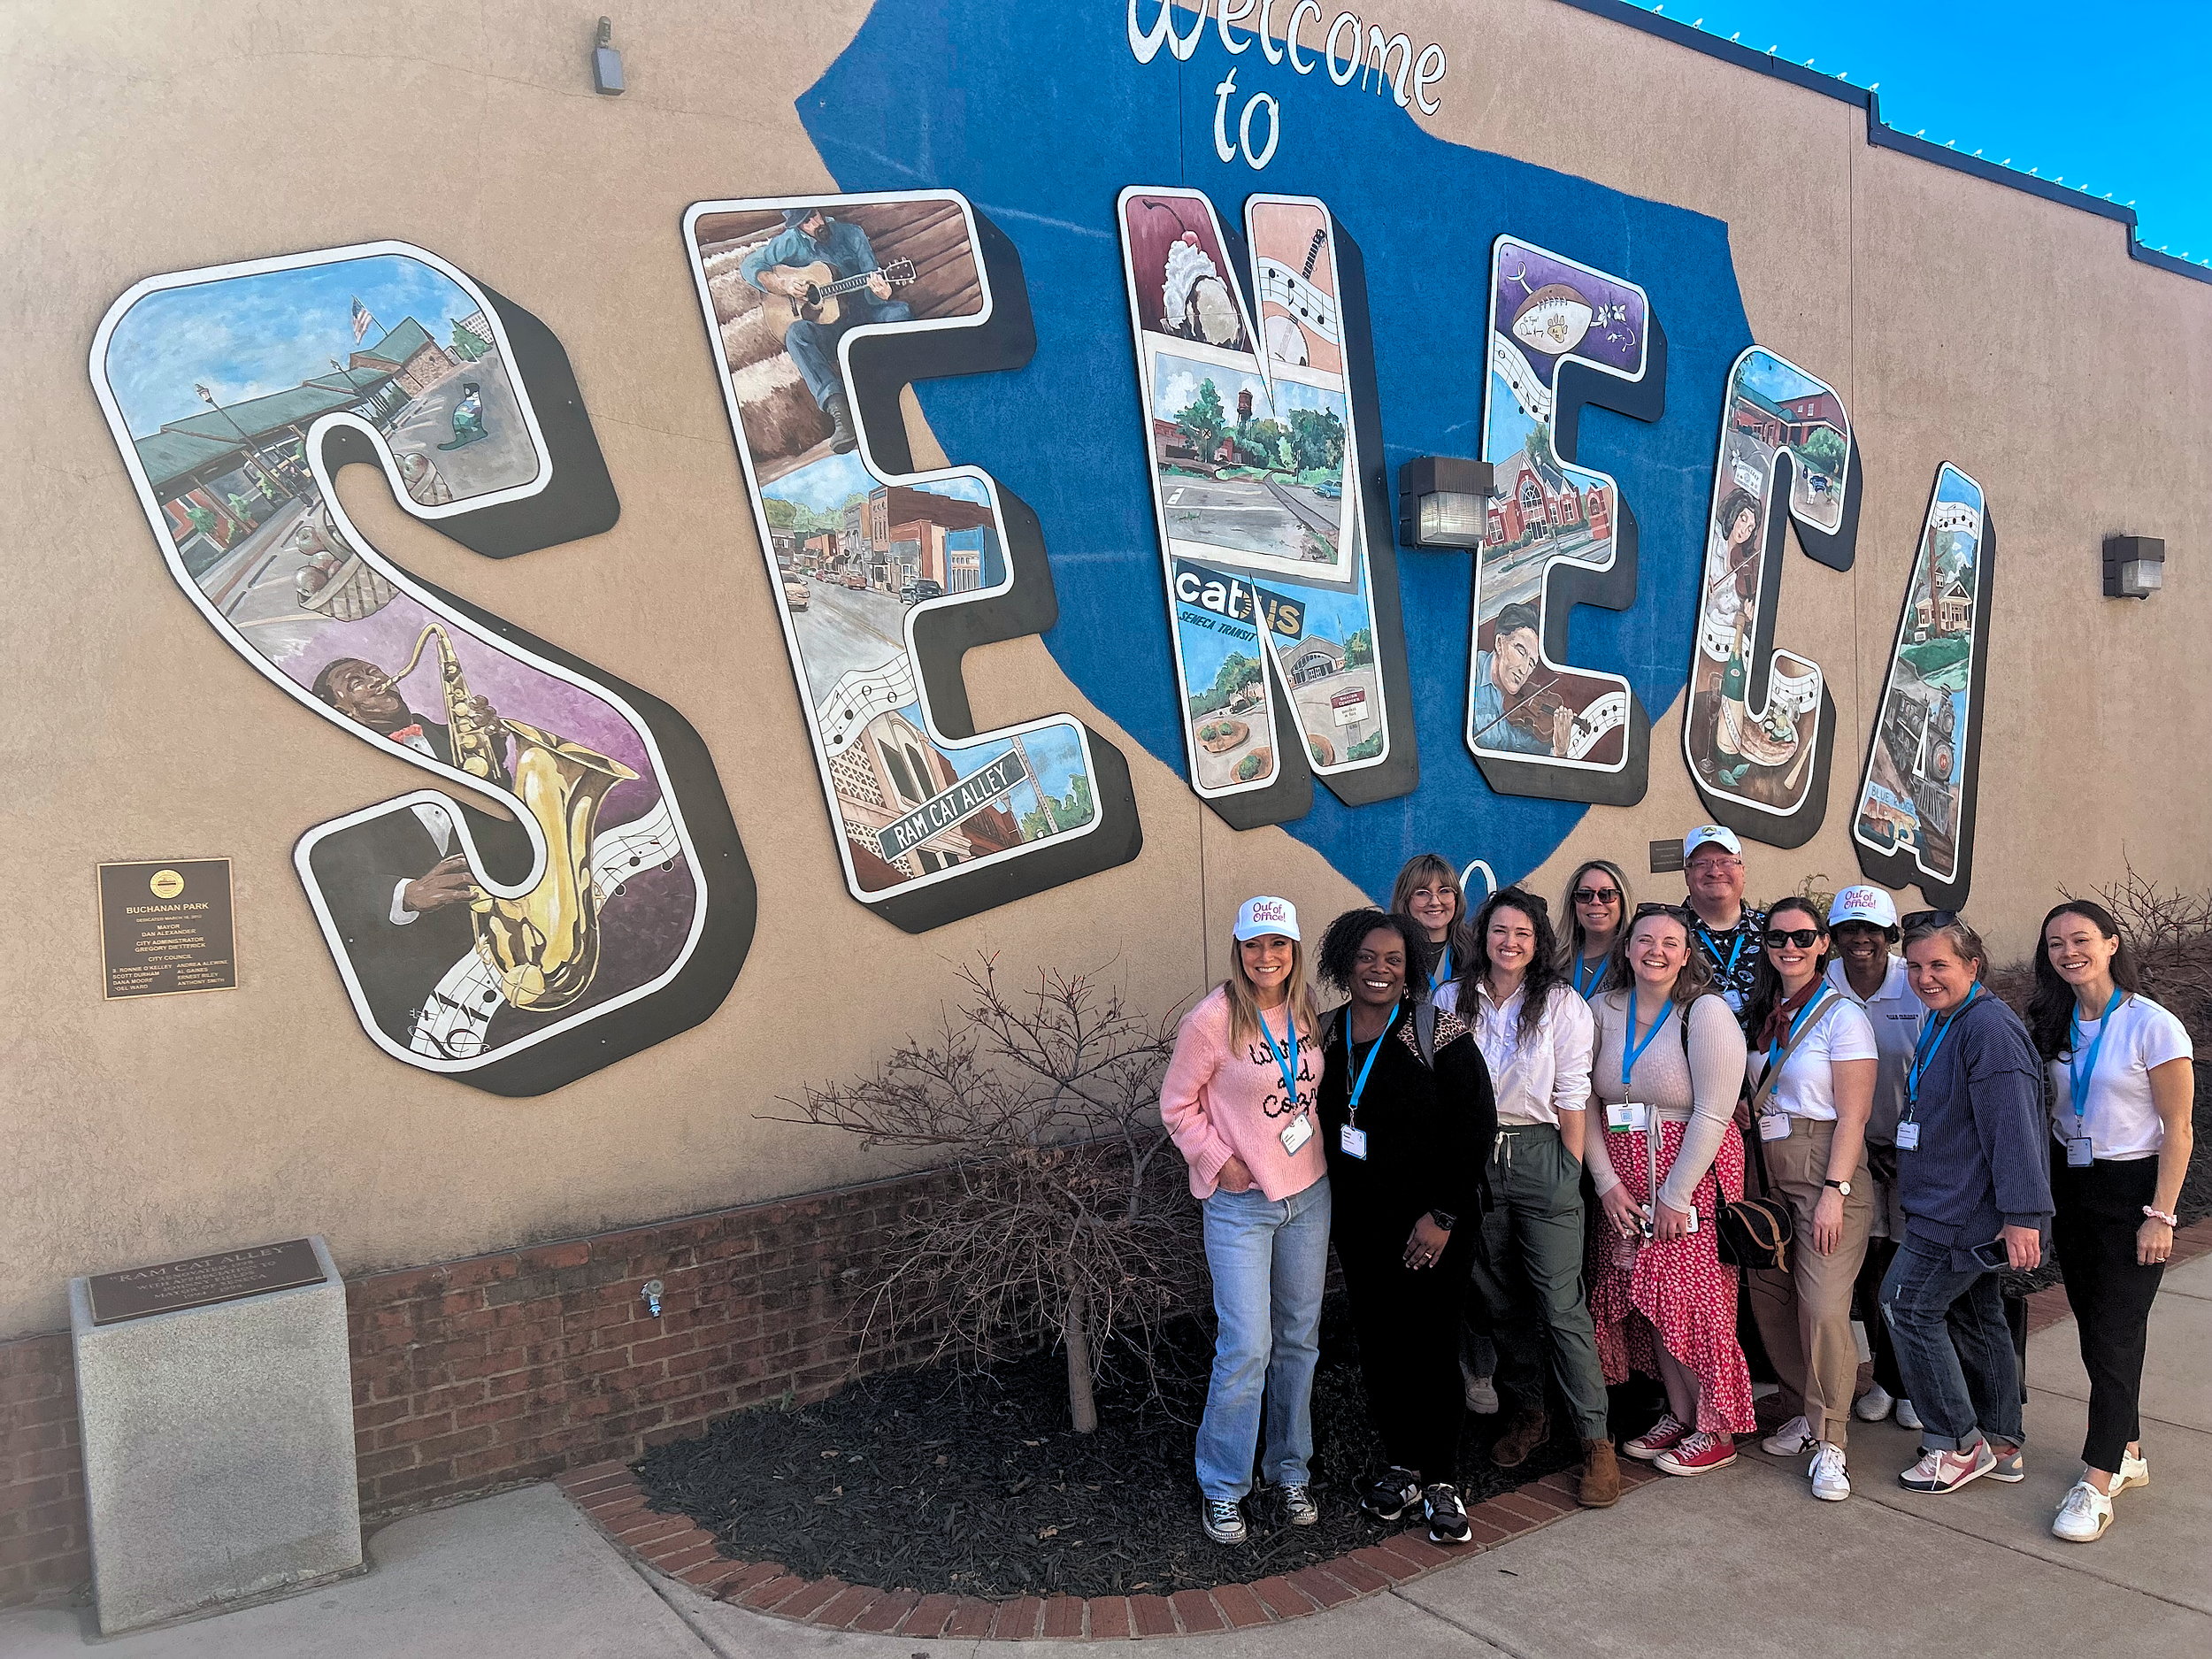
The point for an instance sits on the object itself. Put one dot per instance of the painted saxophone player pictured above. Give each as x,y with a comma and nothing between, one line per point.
514,953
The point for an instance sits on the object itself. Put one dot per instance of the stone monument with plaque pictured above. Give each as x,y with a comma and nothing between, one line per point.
217,1399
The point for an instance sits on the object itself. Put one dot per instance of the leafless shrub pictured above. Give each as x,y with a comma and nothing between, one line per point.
2168,931
1069,1224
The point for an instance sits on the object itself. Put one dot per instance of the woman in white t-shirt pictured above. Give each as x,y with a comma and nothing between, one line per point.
1812,1066
2122,1090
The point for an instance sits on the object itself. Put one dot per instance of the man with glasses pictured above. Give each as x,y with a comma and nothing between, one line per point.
1721,928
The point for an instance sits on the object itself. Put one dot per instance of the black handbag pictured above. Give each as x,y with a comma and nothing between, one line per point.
1759,1232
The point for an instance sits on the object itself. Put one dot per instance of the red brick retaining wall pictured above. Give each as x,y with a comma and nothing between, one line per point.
479,1373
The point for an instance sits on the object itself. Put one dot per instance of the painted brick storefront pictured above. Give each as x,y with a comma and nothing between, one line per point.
478,1373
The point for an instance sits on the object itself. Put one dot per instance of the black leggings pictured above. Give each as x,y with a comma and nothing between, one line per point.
2100,1210
1407,1325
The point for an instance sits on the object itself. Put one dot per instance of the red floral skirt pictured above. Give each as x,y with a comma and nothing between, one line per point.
1680,1290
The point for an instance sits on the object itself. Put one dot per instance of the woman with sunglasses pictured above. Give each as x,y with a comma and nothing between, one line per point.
1669,1066
1238,1100
1427,893
1812,1070
2122,1091
1597,908
1406,1119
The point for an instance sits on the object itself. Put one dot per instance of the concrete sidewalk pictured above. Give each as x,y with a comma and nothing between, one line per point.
1741,1563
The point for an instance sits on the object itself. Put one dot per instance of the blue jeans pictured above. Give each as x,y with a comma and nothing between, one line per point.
1953,1349
813,346
1269,1260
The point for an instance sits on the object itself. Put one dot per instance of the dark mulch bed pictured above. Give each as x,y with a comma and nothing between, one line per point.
919,1480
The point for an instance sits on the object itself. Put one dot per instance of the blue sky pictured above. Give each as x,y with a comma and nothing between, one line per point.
246,336
835,479
2107,99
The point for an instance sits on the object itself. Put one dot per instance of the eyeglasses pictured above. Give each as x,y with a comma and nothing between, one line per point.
1715,864
1929,919
1596,896
1803,938
1680,912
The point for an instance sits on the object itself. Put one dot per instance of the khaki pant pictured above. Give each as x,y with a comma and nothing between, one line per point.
1804,1315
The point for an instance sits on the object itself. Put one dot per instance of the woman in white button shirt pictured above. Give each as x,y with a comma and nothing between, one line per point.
1535,1034
1812,1066
2121,1093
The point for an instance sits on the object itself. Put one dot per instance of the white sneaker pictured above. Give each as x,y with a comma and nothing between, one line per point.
2083,1515
1907,1417
2134,1472
1873,1405
1481,1393
1793,1439
1830,1481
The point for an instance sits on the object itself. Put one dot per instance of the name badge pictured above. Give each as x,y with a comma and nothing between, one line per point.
1627,1115
2081,1152
1908,1137
1296,1132
1774,1125
1353,1142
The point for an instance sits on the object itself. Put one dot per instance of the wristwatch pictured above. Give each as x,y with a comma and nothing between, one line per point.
1444,1218
1842,1186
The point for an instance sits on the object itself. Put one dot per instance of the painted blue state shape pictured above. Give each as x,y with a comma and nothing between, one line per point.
1041,115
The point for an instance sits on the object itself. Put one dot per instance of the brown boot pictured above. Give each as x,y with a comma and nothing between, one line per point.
1601,1488
1529,1430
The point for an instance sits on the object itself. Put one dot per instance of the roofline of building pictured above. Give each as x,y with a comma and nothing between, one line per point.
1878,134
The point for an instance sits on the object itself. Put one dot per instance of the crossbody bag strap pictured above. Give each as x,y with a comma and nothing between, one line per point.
1774,1071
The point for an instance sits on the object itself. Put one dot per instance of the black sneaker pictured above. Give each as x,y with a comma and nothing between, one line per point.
1447,1516
1299,1509
1390,1493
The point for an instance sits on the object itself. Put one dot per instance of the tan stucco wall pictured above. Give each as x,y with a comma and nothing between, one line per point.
1958,318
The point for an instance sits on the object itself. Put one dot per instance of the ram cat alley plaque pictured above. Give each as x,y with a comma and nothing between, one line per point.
165,927
200,1281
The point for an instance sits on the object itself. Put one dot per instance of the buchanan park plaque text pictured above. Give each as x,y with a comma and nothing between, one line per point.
165,927
168,1287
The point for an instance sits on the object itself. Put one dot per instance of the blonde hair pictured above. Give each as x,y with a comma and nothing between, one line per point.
1244,1004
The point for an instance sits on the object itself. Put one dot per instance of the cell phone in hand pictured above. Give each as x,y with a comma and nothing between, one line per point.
1993,1254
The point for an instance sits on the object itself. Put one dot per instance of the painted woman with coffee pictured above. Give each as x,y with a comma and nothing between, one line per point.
2122,1090
1407,1118
1239,1099
1427,893
1667,1070
1597,913
1812,1072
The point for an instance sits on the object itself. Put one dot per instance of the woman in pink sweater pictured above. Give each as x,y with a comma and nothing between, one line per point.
1238,1100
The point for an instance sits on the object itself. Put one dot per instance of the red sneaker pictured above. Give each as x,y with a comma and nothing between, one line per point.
1662,1436
1697,1453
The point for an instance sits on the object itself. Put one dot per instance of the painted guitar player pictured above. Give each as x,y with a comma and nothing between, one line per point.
825,268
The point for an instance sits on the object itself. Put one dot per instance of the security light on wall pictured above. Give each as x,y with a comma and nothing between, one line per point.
606,63
1443,500
2134,566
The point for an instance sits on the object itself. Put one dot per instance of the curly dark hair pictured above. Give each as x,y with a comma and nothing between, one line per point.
1766,982
1543,972
1339,946
2051,1005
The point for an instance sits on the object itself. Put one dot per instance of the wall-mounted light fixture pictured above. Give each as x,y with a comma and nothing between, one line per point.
2134,566
606,63
1443,500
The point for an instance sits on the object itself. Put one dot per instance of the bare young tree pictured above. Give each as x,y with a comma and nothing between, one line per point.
1066,1222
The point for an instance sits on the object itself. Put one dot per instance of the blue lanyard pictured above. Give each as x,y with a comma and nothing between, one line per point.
1631,1051
1443,974
2077,1076
1727,968
1288,1065
1359,1088
1774,1049
1924,1052
1596,974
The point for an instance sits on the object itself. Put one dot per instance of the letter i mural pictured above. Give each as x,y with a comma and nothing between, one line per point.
1281,580
821,309
1759,728
1562,334
1915,818
612,907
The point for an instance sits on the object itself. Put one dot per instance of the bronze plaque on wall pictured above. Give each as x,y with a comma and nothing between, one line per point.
165,927
203,1280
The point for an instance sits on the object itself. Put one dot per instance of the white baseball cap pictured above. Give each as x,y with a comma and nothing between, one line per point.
1864,904
1718,834
1261,916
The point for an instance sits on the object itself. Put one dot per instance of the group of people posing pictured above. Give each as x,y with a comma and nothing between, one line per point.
1544,1156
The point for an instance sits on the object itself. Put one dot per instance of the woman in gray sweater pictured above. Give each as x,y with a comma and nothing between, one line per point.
1668,1065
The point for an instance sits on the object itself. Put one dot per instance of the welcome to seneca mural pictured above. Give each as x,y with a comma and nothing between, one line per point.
1177,300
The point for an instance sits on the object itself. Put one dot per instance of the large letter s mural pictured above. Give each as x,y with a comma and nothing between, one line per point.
821,309
615,907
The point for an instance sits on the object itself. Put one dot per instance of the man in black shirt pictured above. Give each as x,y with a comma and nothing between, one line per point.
1712,864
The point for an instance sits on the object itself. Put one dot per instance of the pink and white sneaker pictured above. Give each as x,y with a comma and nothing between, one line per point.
1697,1453
1947,1472
1663,1435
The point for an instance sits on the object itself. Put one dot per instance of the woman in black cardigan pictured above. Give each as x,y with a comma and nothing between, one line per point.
1408,1117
